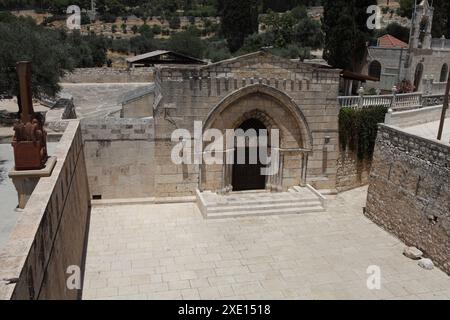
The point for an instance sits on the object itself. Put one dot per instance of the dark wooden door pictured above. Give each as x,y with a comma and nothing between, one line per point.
248,176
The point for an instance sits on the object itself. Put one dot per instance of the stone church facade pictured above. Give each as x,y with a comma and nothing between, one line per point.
132,157
297,98
425,62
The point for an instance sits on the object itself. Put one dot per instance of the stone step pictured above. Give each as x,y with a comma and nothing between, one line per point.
255,203
267,200
275,205
260,212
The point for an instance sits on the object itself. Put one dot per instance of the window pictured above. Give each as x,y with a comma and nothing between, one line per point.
418,77
444,73
375,69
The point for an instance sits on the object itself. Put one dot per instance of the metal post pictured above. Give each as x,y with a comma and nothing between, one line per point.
444,109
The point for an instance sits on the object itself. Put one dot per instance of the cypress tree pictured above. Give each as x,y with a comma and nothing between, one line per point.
239,19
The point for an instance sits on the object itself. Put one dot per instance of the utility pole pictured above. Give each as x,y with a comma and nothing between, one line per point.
444,109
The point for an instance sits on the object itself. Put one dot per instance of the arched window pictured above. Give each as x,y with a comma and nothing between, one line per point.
444,73
375,69
418,76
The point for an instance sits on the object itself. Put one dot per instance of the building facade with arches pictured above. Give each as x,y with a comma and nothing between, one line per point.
254,91
423,62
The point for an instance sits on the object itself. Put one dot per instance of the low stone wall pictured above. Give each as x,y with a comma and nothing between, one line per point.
119,157
108,75
414,117
51,234
351,172
409,191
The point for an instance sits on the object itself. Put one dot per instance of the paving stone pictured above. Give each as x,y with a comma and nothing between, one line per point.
321,255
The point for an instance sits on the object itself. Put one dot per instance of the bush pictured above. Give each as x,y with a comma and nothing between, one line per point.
358,129
217,51
156,29
174,22
396,30
187,42
108,18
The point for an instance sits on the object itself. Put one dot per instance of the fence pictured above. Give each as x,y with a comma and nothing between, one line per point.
441,43
394,101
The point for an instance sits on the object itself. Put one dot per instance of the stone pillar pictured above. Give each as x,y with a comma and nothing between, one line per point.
26,180
227,171
274,181
278,177
304,168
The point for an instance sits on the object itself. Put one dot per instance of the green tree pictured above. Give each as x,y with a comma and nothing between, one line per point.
146,31
281,25
22,39
123,26
406,8
345,27
188,43
174,22
239,19
396,30
441,19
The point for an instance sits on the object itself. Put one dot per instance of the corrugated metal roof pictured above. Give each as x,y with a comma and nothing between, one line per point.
147,55
156,53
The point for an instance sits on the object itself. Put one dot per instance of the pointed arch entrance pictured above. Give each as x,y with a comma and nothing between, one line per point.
260,107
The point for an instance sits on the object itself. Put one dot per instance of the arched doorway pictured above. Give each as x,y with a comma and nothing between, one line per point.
444,73
247,176
375,69
275,110
418,76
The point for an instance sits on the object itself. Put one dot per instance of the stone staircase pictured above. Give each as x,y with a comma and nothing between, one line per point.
261,202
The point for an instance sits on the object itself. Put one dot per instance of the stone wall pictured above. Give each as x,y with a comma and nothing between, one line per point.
108,75
140,107
185,94
432,61
409,191
351,172
51,234
119,157
414,117
392,62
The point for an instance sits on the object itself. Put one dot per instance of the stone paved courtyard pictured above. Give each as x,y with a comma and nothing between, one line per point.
168,251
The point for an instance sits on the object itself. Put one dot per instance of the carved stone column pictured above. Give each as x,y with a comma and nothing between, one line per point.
304,168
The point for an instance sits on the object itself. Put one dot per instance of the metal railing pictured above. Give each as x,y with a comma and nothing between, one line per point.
441,43
394,101
438,87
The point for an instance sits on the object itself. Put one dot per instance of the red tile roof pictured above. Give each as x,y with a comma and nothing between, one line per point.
388,41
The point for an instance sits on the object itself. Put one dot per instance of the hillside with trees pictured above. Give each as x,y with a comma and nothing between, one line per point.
208,29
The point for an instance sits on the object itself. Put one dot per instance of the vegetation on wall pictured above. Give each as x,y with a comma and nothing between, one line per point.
358,129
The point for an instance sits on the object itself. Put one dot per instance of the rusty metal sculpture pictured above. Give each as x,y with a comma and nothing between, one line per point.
30,139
